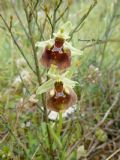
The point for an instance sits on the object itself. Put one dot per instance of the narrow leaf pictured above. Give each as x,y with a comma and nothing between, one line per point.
55,137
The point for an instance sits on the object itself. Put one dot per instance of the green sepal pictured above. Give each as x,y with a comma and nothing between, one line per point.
46,86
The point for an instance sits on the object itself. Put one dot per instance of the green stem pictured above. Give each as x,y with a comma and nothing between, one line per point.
59,124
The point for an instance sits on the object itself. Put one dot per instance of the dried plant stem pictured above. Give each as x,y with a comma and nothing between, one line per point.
21,51
34,15
98,125
108,30
83,19
62,14
97,42
29,20
39,108
54,17
113,154
18,17
16,138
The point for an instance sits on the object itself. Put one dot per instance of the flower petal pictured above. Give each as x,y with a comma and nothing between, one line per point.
69,83
43,44
64,30
45,87
74,51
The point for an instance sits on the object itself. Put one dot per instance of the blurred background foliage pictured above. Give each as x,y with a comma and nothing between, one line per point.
93,131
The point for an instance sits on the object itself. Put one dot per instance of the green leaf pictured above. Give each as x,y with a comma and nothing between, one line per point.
59,124
81,152
101,135
45,87
55,137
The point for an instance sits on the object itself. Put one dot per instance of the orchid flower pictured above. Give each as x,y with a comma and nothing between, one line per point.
58,51
59,91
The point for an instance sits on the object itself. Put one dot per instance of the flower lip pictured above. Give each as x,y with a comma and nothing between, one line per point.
60,98
57,56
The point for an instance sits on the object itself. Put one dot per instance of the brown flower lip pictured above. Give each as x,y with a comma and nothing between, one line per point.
60,98
56,55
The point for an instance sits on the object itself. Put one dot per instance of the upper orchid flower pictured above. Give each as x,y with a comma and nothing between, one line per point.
58,51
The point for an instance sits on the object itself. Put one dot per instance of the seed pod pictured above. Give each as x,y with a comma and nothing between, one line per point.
60,98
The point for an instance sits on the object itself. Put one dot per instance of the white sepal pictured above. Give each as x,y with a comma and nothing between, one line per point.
74,51
43,44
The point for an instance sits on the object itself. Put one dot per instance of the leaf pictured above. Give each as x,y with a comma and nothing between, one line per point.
81,152
59,124
55,137
101,135
45,87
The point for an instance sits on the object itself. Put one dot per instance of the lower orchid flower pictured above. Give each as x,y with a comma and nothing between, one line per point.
59,92
60,97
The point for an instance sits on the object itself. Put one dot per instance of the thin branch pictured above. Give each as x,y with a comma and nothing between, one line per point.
98,125
32,43
37,149
113,154
38,76
83,18
97,42
38,106
18,17
108,30
49,19
54,17
21,51
33,9
35,17
62,14
16,138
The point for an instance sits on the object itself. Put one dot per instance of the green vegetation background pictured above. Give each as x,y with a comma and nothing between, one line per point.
23,133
